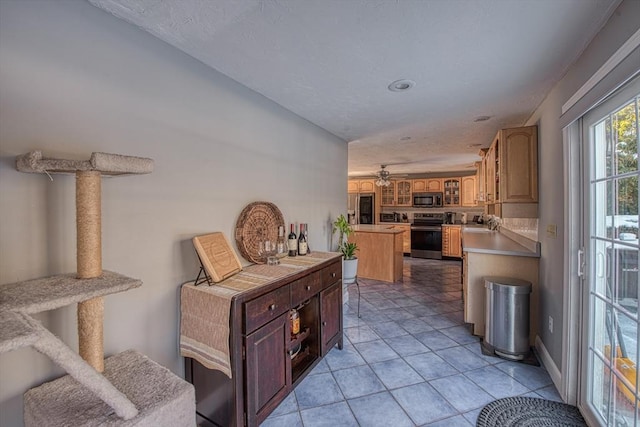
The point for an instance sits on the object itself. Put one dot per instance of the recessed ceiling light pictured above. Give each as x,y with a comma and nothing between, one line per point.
405,138
474,145
401,85
481,119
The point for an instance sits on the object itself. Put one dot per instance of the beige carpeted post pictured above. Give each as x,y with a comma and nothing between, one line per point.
89,261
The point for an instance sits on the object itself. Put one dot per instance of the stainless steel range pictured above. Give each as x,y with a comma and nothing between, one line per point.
426,235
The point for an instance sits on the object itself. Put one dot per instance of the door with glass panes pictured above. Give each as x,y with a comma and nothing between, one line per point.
609,355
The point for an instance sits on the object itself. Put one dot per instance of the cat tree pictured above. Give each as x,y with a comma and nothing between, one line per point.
138,390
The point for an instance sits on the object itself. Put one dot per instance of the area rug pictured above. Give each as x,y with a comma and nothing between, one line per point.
529,412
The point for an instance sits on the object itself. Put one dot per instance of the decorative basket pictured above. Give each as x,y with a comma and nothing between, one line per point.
258,221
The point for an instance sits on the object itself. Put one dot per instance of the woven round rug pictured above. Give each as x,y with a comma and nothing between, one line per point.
528,412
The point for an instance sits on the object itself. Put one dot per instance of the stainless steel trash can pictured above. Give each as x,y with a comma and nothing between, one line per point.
507,316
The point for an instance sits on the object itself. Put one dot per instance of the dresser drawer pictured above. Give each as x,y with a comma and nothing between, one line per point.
331,273
262,310
305,288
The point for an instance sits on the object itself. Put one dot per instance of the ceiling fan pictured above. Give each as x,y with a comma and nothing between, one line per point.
384,176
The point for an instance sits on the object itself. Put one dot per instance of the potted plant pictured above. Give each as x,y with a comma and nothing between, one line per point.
348,250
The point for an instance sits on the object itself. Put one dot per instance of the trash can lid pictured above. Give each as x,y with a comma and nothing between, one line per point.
507,284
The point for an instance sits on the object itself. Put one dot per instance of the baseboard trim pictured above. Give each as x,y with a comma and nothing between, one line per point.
552,369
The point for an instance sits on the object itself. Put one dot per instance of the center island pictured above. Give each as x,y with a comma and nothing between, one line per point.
379,252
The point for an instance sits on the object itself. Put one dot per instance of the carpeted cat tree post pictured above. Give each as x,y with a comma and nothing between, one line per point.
89,264
132,390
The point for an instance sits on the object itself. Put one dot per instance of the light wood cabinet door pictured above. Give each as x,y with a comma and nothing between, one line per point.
451,241
367,185
451,192
388,194
353,186
419,185
490,182
480,184
468,190
434,184
519,165
403,193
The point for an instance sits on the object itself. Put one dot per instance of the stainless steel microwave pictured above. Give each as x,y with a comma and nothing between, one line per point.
427,200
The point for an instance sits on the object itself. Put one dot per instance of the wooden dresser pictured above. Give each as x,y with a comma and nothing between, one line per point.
266,362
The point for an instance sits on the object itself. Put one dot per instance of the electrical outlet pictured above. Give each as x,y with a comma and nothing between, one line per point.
550,324
552,230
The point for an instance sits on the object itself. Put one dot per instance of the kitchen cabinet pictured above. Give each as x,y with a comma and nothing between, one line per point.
452,241
367,185
480,179
512,166
406,236
419,185
451,196
427,185
361,186
403,190
398,193
468,190
267,362
434,184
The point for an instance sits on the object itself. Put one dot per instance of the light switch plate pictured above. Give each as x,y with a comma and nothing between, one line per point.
552,230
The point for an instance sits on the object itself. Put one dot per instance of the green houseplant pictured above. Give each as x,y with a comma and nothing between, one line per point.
348,250
342,226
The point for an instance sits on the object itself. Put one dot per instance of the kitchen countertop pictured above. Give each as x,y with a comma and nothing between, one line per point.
481,240
370,228
393,223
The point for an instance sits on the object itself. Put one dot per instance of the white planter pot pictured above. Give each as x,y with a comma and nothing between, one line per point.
349,272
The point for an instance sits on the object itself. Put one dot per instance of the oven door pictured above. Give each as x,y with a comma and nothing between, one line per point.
426,241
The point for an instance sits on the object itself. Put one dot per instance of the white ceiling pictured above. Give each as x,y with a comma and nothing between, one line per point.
331,61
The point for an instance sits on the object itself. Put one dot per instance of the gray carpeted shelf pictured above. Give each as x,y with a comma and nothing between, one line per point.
34,296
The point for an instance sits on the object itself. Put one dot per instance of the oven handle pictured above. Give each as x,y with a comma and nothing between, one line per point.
426,228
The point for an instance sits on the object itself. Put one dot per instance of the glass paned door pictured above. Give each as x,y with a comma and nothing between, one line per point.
610,382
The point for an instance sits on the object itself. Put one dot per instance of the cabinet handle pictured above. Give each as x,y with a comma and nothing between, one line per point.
324,323
308,287
333,274
272,307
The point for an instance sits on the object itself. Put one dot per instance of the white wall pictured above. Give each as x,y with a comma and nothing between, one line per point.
73,80
623,23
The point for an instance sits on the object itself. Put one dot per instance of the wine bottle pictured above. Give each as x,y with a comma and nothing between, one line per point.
293,242
302,241
281,245
306,235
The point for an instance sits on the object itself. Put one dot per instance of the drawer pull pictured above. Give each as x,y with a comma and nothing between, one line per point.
272,307
308,287
333,274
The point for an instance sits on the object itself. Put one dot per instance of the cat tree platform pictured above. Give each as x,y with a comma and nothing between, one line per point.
48,293
162,398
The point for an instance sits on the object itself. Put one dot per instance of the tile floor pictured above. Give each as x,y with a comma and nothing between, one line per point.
408,361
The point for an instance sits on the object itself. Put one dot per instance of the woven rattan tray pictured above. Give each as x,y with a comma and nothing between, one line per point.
258,221
217,256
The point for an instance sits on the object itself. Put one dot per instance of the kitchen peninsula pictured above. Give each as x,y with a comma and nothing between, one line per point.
493,253
379,252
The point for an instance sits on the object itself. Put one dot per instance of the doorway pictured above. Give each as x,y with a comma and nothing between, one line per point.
609,382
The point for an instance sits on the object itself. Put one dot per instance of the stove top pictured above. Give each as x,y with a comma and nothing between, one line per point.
428,218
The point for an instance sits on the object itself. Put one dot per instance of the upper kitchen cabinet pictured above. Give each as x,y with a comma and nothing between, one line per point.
512,166
434,184
469,190
451,192
361,186
398,193
427,185
403,190
367,185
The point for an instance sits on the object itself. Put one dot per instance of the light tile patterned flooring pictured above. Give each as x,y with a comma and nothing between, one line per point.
408,361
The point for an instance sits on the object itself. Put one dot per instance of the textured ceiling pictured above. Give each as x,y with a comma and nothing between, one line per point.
331,61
